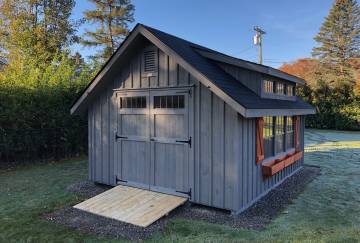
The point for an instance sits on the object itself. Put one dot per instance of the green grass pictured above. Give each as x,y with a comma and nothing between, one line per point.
327,211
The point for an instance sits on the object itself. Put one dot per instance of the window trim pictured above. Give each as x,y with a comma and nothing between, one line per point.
285,149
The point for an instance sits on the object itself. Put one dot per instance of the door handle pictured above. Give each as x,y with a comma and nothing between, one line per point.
185,141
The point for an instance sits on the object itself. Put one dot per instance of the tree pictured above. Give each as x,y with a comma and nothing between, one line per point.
36,28
112,18
339,40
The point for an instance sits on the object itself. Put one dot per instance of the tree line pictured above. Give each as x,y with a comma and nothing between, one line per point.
43,76
332,75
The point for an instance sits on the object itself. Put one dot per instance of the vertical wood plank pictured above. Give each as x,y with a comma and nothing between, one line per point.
230,168
163,69
104,137
136,70
98,145
205,146
172,72
218,153
183,76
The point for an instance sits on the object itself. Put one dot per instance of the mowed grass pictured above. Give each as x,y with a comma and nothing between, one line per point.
327,211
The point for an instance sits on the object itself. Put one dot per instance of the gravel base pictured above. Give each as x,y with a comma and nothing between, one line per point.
256,217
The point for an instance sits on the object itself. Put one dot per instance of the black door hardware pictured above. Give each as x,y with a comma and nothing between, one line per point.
185,141
117,137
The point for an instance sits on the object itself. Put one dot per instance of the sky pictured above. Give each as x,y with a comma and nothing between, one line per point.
227,25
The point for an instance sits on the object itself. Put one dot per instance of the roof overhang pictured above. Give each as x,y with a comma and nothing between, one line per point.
81,103
85,98
278,112
216,56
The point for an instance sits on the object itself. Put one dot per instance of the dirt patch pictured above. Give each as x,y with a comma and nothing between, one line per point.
256,217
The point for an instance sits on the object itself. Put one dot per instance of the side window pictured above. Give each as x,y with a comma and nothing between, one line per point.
290,132
169,102
135,102
268,135
279,134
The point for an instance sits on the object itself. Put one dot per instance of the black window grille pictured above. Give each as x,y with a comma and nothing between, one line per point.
169,102
135,102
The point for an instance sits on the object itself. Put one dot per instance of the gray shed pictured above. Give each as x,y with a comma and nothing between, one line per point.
169,115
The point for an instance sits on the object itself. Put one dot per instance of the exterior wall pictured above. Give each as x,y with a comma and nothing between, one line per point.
102,113
249,78
254,81
224,173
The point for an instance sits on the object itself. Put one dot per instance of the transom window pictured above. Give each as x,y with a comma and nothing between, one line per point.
290,90
269,86
133,102
169,102
280,88
277,87
278,135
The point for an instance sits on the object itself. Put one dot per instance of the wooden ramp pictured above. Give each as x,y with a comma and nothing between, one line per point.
131,205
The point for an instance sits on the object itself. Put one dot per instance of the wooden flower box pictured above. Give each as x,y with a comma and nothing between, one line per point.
298,156
272,167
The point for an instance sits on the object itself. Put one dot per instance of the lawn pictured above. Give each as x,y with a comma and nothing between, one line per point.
328,209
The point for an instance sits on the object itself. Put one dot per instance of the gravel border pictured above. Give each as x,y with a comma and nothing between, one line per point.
256,217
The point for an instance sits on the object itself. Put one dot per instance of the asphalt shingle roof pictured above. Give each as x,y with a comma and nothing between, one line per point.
232,87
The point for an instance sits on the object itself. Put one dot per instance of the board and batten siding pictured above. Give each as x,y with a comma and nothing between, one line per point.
226,175
102,112
223,174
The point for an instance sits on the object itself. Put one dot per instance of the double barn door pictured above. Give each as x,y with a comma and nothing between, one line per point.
153,140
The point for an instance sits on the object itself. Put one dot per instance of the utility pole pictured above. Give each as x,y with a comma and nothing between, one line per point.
258,41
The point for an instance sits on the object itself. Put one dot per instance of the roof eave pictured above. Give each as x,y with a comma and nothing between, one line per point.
249,65
278,112
79,104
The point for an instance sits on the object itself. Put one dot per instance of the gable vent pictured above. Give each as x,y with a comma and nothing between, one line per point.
150,61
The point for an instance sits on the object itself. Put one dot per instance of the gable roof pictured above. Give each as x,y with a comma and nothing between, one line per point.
192,57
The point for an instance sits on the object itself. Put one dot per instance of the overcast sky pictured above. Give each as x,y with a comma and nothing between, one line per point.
227,25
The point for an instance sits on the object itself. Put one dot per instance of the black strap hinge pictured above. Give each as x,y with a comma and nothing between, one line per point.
119,180
187,193
185,141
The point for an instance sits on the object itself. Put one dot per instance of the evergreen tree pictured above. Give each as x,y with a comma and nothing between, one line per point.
112,18
339,40
36,28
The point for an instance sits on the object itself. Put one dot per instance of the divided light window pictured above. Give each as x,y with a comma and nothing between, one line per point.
280,88
150,61
268,135
279,134
169,102
290,90
290,132
133,102
268,86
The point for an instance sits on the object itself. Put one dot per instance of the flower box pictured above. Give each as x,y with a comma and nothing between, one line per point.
272,167
289,160
298,156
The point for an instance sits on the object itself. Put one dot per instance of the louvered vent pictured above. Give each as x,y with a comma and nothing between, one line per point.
150,61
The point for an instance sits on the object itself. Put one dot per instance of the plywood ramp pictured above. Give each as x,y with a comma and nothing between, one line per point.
131,205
